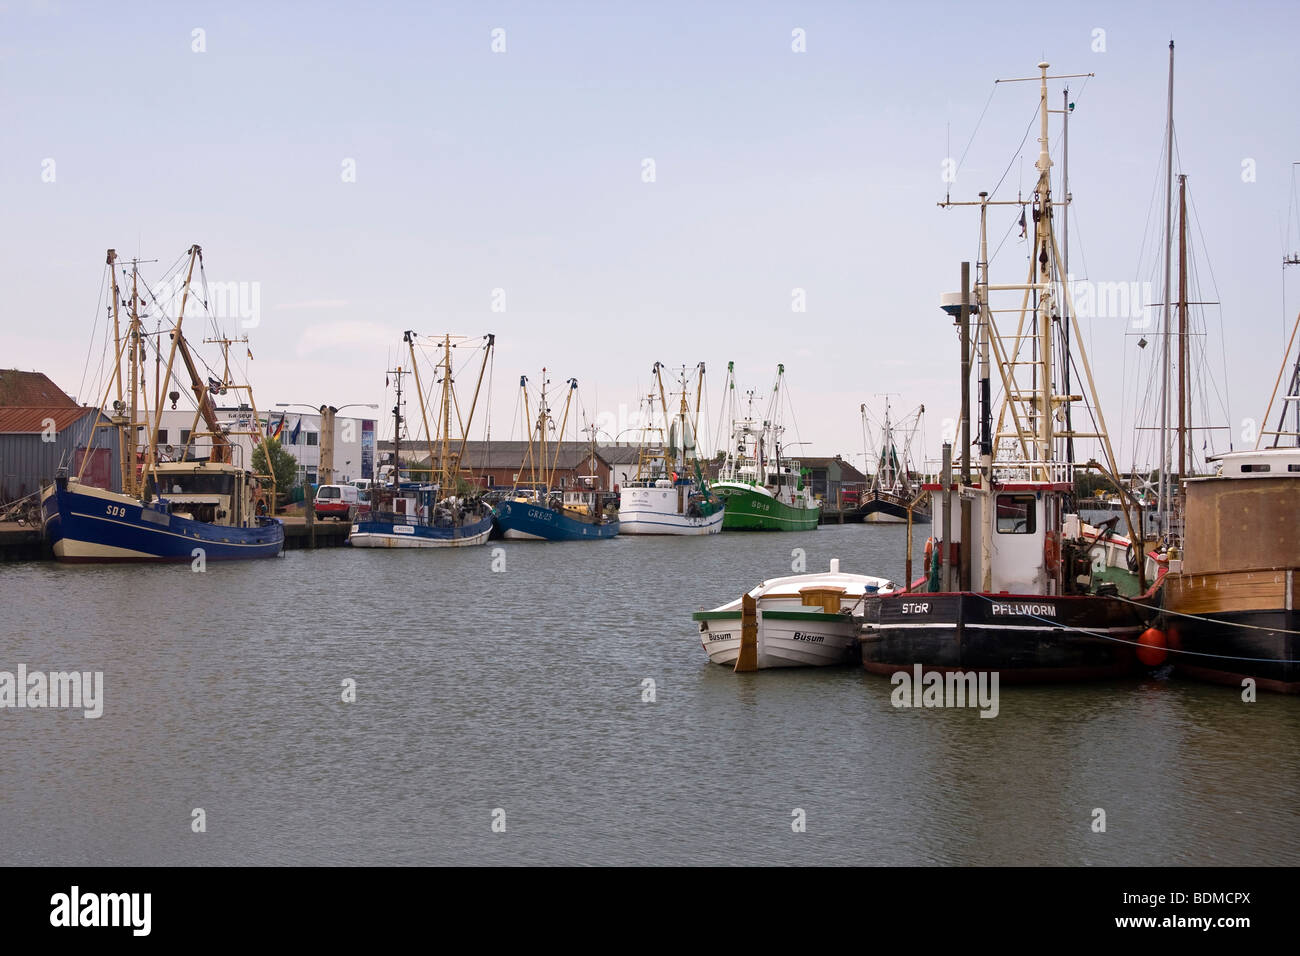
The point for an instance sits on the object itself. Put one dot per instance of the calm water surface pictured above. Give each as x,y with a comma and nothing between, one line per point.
522,690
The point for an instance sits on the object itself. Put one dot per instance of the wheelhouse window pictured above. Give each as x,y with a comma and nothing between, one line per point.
197,484
1016,514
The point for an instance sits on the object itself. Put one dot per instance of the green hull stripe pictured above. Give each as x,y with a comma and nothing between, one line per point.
786,615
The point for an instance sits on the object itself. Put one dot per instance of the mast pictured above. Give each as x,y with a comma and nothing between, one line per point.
1182,329
464,438
409,338
1065,266
133,343
397,429
446,413
986,401
125,470
684,416
1041,232
1164,361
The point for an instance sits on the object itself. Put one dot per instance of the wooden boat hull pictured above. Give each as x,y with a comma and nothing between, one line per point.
1025,638
1227,626
785,638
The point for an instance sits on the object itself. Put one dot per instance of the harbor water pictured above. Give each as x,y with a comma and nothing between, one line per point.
511,687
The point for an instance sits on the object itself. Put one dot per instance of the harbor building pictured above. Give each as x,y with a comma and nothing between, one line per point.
42,428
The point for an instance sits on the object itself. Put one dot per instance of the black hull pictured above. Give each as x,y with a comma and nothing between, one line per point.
876,502
1025,638
1209,647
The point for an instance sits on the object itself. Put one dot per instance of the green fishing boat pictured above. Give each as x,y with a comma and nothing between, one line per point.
763,489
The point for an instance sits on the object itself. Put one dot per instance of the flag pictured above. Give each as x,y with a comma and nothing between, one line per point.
214,386
278,429
297,427
250,353
1022,222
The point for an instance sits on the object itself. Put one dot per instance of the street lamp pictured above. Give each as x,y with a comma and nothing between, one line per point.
325,472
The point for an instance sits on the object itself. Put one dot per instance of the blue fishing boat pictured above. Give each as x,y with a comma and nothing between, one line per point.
540,510
186,509
554,519
418,516
87,524
448,511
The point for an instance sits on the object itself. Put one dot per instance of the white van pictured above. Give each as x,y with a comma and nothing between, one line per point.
335,501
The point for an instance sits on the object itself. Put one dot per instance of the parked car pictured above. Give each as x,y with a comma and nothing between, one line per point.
335,501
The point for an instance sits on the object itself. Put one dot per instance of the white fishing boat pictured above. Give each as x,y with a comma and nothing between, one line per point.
802,620
670,494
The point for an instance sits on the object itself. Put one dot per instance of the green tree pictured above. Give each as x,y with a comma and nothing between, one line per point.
283,465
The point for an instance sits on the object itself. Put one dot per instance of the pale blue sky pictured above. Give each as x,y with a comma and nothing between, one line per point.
522,171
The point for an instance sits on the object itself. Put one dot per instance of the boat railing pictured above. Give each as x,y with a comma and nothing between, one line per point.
1013,470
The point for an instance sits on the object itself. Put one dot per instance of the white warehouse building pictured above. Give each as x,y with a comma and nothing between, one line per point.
300,435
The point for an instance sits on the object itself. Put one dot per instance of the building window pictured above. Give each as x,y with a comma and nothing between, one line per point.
162,437
311,438
1016,514
185,436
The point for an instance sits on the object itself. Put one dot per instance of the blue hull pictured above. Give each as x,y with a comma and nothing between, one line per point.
85,528
521,519
393,534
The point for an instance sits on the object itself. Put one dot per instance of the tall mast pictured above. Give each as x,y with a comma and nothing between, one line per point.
1169,240
119,419
133,343
446,413
397,429
1041,235
986,399
1182,328
684,416
1065,265
409,338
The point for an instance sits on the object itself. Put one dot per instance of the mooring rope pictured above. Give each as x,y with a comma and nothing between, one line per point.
1172,650
1212,620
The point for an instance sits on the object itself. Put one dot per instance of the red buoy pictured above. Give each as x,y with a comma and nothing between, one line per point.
1151,647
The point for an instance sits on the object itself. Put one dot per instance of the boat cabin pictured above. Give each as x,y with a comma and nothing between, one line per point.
212,492
1232,518
1027,523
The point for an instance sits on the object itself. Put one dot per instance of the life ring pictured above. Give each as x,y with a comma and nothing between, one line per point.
1052,552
